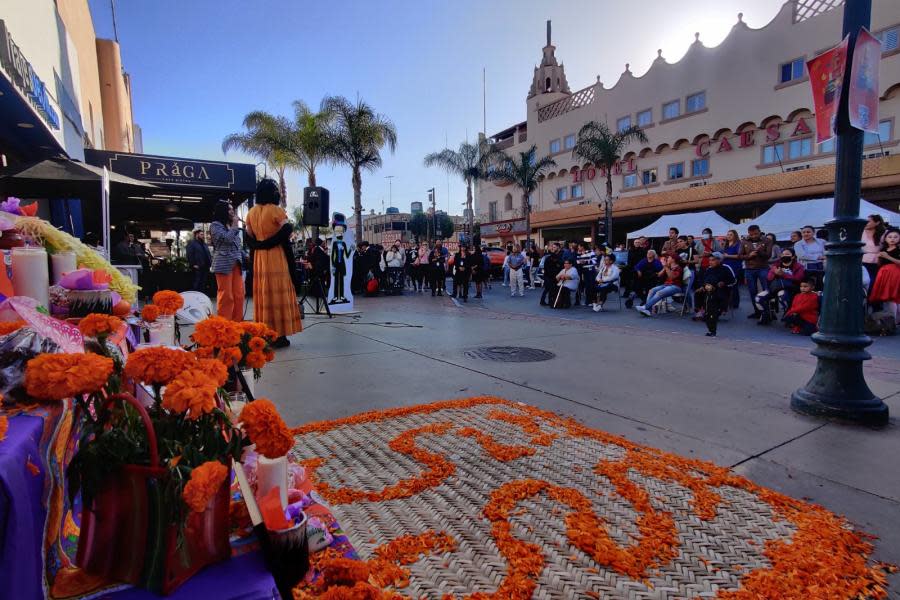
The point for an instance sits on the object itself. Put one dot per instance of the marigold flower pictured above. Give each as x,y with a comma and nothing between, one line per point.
215,370
4,426
255,360
99,325
158,365
254,329
203,485
265,428
169,302
7,327
270,355
257,344
59,376
150,313
217,332
191,392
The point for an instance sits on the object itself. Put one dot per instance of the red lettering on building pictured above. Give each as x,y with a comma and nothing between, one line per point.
801,127
773,132
576,176
724,145
702,149
746,139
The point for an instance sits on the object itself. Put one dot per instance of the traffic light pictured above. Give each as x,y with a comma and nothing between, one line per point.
601,230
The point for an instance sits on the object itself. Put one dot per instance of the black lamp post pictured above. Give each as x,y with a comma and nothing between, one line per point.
838,387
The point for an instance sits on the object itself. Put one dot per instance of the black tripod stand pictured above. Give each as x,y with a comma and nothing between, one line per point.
321,297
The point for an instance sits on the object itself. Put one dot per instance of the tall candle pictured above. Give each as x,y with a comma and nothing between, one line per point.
31,276
272,472
62,262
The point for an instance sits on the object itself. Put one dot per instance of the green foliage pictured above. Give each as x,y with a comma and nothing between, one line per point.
598,144
445,225
522,171
418,224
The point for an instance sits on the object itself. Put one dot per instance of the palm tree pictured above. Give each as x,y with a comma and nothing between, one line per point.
310,142
524,173
600,146
267,138
470,162
357,136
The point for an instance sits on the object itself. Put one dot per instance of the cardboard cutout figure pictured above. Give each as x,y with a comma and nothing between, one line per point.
343,245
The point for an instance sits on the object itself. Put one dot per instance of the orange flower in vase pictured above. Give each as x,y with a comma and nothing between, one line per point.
97,325
150,313
257,344
203,485
169,302
255,360
215,370
191,392
59,376
265,428
217,332
158,365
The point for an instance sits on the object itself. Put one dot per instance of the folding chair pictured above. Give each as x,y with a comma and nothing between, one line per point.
687,296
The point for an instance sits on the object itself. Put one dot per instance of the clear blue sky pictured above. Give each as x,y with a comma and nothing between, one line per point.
198,66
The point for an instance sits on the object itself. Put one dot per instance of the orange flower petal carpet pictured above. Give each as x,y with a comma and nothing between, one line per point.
485,498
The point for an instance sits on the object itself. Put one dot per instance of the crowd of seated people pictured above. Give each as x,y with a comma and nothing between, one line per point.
784,278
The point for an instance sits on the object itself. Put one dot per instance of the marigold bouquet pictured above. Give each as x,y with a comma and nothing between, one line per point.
169,302
246,345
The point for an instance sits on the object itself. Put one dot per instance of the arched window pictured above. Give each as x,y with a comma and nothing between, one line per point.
507,202
549,85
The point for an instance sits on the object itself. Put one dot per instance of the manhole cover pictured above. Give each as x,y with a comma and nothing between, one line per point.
510,354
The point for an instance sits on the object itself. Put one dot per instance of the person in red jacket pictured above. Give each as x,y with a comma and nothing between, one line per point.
803,315
784,277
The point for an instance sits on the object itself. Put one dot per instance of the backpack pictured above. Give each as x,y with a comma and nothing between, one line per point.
880,324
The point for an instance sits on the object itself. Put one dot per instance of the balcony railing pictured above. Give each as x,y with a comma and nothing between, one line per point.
561,107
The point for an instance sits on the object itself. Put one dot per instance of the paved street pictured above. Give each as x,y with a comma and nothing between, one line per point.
655,381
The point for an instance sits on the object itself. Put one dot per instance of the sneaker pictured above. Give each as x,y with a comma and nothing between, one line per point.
710,334
598,307
513,295
645,312
639,307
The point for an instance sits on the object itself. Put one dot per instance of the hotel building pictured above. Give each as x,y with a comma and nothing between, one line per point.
730,128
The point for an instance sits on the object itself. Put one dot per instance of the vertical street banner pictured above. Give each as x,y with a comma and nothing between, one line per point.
826,76
863,96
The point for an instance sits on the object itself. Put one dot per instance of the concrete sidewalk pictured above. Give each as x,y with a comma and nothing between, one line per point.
658,382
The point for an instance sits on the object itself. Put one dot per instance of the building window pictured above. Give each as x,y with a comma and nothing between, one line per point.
554,146
792,70
570,141
889,38
577,191
695,102
676,171
700,167
562,194
492,211
629,181
671,109
648,176
883,135
507,202
773,154
623,123
799,148
826,146
645,117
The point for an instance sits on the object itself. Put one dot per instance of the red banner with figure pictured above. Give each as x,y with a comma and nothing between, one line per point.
826,76
863,97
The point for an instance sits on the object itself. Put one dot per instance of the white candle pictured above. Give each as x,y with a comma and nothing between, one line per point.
62,262
271,472
31,276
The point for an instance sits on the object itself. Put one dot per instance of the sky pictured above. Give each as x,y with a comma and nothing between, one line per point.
198,66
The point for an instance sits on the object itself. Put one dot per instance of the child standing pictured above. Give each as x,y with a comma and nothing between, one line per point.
712,309
803,315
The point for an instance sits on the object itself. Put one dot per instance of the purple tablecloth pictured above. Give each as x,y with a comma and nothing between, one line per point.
22,510
241,578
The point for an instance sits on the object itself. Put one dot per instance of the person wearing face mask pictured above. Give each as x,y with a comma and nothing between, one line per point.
705,248
784,280
394,260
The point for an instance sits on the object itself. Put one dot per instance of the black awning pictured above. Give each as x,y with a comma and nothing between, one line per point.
64,178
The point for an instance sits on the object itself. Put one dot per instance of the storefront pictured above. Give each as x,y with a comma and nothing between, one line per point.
503,232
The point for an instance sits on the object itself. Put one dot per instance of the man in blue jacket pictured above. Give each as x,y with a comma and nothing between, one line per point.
200,259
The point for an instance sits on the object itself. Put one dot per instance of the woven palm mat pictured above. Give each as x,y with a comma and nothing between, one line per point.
714,554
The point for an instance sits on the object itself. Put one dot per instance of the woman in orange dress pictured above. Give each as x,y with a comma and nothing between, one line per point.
274,297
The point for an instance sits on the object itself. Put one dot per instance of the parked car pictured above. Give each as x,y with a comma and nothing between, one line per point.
497,256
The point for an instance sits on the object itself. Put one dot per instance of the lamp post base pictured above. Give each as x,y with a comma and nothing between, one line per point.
828,394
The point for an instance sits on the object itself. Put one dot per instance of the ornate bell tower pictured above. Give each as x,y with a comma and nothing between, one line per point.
550,76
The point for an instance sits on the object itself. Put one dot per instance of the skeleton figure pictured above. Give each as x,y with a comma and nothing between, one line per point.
340,254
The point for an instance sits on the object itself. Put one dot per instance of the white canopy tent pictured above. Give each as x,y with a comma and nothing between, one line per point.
687,224
785,217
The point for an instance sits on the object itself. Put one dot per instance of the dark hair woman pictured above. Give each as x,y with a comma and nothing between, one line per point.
274,296
226,262
731,249
872,237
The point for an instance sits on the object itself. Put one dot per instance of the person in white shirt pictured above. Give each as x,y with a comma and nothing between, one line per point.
810,250
607,281
506,269
567,279
516,264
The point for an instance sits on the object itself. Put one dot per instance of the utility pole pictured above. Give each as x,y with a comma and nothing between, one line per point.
390,179
433,200
838,387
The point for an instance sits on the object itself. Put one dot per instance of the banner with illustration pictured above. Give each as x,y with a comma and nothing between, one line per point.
826,76
863,96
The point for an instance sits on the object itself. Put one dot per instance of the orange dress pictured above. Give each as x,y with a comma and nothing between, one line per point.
274,297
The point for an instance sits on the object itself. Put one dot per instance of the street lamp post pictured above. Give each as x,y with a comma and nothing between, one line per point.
838,387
